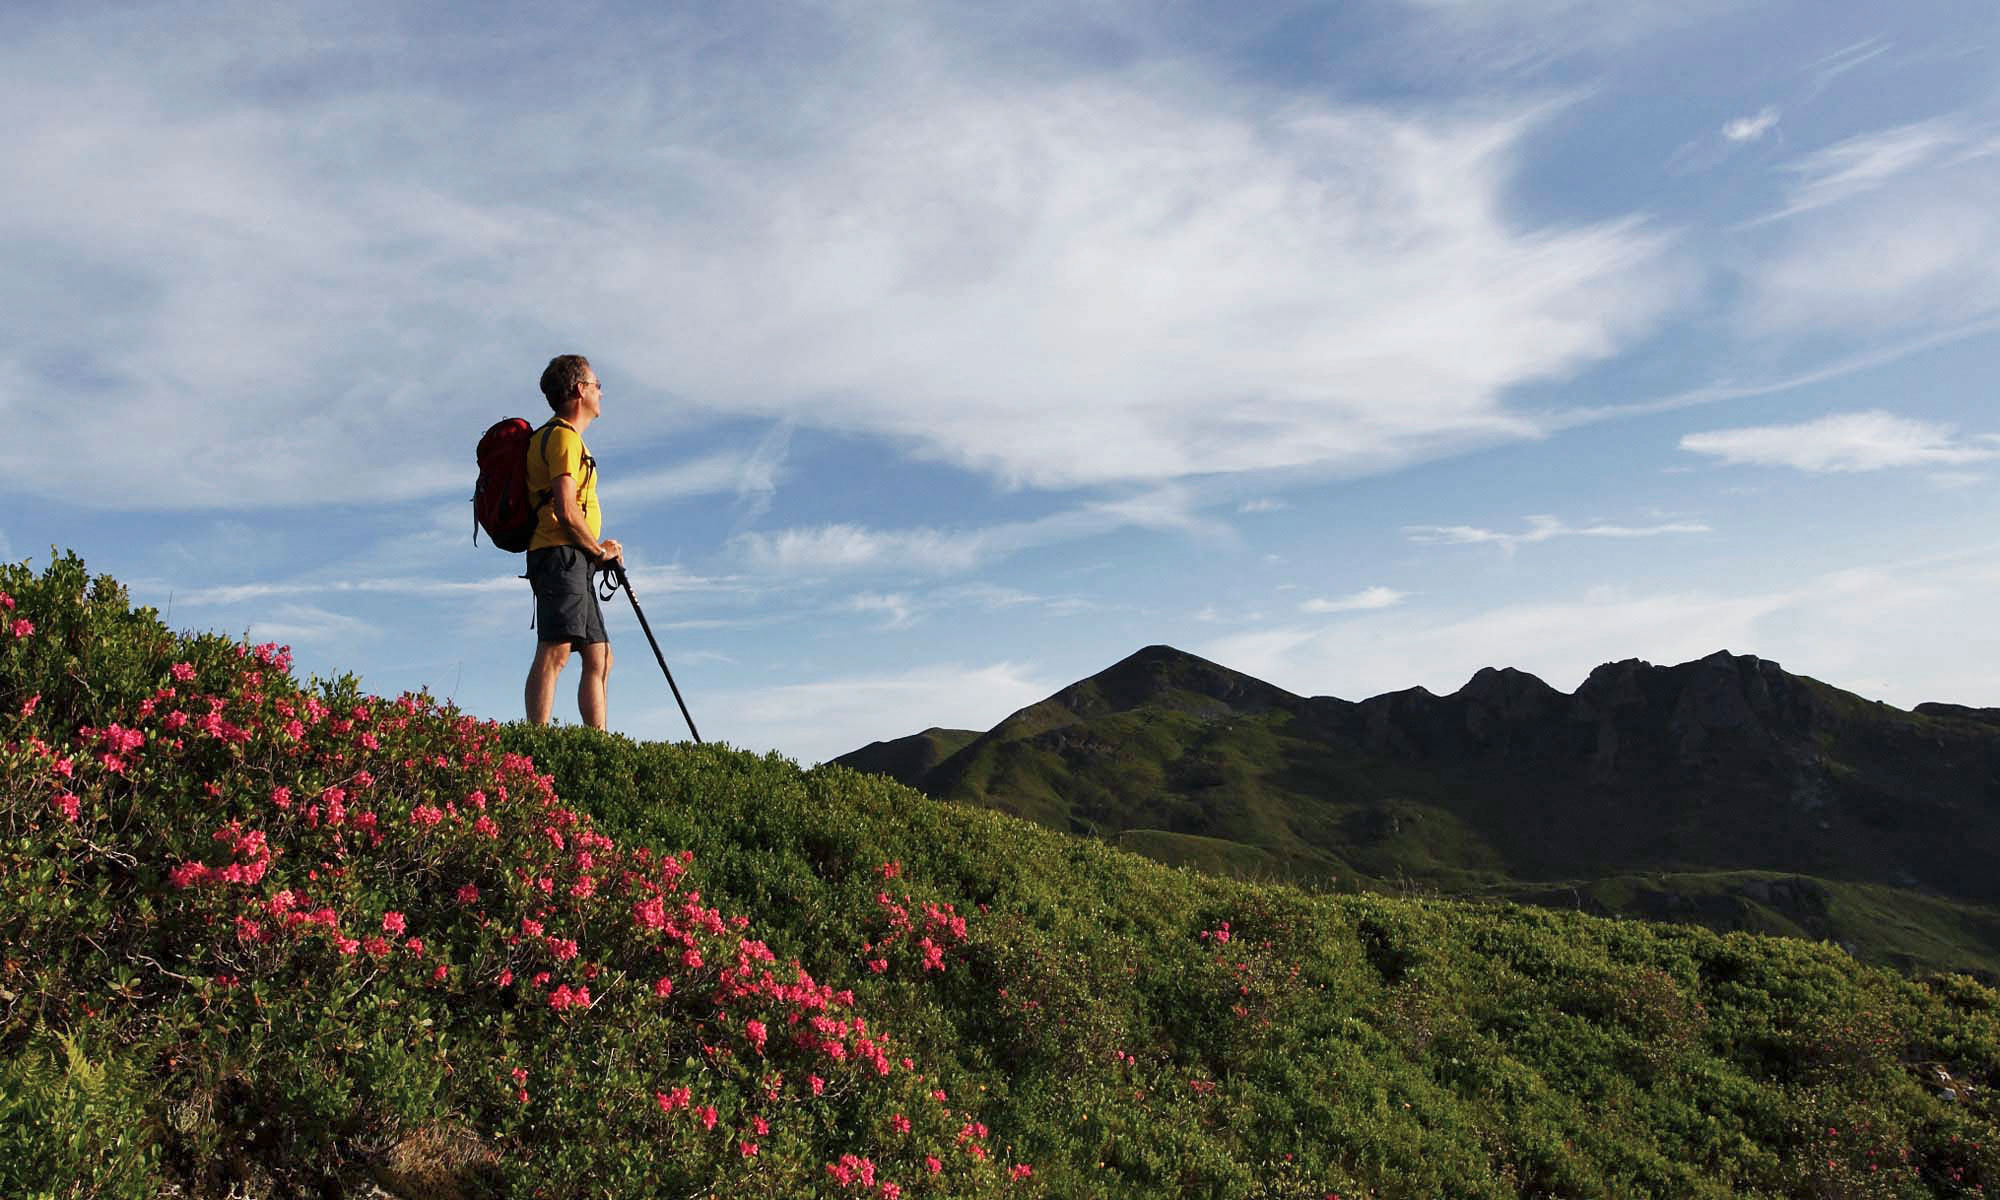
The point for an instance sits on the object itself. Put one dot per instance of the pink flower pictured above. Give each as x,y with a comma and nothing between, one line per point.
425,815
669,1101
760,1126
520,1075
281,796
890,870
818,1085
691,958
438,975
346,945
393,923
66,804
708,1116
188,874
23,628
747,1149
183,672
1020,1171
468,894
756,1032
900,1123
931,1162
506,977
890,1191
28,707
663,987
6,601
375,947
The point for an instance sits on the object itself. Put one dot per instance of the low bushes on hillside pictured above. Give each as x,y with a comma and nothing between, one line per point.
266,938
279,933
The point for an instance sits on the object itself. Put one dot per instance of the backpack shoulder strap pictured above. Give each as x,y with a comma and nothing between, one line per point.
589,464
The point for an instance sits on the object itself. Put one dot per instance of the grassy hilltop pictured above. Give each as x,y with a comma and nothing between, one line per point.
266,937
1725,792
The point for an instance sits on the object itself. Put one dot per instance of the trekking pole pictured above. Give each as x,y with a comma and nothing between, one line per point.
616,578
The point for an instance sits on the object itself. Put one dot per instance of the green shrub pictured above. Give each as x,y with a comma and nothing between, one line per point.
265,935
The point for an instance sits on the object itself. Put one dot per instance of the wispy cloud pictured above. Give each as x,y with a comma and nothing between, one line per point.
1887,234
894,607
1263,504
843,546
1823,71
1869,629
305,624
1542,529
1058,278
1864,164
1863,441
1750,129
752,476
824,718
1366,600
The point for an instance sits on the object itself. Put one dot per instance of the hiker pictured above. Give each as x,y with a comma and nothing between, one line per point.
566,546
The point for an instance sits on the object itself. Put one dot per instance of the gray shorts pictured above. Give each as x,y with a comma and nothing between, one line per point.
566,608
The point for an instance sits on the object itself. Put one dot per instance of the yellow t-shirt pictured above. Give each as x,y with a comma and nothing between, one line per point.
556,450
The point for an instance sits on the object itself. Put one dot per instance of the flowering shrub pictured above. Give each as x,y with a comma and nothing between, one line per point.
258,936
337,918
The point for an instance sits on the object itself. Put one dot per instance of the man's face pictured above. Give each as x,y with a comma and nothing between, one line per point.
593,394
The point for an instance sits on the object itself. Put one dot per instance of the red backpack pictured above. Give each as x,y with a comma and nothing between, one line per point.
500,501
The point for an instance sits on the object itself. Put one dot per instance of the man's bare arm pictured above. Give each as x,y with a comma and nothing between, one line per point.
569,515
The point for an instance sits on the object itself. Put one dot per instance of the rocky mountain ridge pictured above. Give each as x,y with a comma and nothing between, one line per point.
1507,786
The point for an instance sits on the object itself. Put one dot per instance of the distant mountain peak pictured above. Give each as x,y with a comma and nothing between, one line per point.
1162,673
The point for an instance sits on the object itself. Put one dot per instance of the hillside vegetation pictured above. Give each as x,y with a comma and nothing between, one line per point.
270,938
1726,792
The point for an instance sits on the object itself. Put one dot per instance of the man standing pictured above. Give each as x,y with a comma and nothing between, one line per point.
562,477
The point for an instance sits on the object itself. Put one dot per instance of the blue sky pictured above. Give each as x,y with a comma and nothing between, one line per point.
953,352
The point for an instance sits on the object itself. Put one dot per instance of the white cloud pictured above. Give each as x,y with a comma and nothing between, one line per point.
304,624
1059,279
1825,70
1262,505
1366,600
1750,129
1881,234
751,475
1863,441
1869,161
1542,529
1518,35
819,720
894,606
845,547
1868,630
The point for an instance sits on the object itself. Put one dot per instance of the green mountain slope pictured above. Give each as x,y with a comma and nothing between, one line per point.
1511,788
261,937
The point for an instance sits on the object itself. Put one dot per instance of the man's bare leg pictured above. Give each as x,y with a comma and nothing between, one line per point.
550,658
590,702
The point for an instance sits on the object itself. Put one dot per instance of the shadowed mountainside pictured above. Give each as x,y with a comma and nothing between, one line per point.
1700,785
